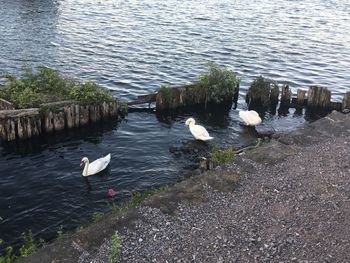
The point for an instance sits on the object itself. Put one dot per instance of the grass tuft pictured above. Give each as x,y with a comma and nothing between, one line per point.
115,248
97,217
221,156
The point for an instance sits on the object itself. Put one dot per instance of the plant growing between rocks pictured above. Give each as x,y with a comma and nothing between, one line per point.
30,245
97,217
115,248
221,156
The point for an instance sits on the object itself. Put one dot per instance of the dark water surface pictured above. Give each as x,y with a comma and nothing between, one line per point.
133,47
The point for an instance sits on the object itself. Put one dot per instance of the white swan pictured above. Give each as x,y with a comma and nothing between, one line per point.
96,166
198,132
251,117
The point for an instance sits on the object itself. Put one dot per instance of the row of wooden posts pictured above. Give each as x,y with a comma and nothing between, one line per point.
50,117
317,97
23,124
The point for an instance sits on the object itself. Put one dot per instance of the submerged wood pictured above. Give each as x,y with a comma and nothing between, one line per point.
144,99
50,117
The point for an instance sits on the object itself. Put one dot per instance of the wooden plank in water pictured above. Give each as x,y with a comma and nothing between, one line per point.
144,99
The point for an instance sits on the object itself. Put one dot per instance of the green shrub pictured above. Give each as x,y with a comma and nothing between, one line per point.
32,88
115,248
220,83
221,156
89,92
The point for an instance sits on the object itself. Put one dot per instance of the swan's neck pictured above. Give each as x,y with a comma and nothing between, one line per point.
85,171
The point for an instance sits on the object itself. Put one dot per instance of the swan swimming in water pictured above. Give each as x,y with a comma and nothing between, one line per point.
96,166
250,118
198,132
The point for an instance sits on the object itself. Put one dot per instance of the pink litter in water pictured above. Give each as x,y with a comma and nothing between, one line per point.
111,192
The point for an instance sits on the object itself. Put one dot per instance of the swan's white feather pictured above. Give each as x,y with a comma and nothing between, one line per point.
98,165
251,117
198,131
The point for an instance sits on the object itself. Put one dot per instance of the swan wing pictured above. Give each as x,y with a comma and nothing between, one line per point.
250,117
99,165
200,133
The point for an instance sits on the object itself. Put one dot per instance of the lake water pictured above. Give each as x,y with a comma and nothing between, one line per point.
132,48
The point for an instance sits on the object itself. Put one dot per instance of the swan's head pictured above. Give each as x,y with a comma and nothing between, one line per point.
190,121
84,161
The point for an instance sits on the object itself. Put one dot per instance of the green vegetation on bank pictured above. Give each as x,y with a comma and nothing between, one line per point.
115,248
219,82
44,84
221,156
30,245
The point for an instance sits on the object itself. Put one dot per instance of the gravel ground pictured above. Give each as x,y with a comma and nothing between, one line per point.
295,211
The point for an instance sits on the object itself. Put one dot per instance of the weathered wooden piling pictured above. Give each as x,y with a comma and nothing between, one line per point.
301,97
191,95
21,124
274,94
258,95
346,101
316,98
50,117
319,97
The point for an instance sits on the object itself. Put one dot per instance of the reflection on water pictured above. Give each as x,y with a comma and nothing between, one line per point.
132,48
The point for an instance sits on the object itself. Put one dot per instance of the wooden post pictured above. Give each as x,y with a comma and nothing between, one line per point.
95,115
70,115
319,97
22,124
301,94
76,115
37,126
84,115
49,121
92,113
11,130
286,95
59,120
258,95
113,109
104,111
274,94
346,101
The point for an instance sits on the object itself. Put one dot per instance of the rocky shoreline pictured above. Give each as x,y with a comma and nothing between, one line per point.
286,201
